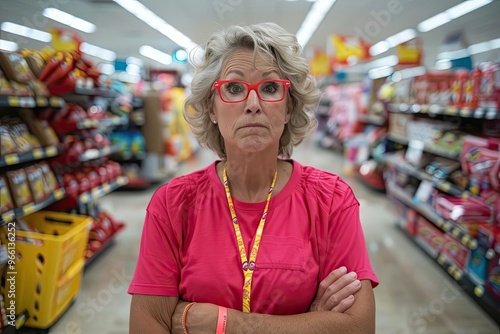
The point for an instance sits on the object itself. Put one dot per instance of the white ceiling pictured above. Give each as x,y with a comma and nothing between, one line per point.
123,33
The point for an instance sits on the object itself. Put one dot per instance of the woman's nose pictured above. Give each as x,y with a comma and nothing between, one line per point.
253,102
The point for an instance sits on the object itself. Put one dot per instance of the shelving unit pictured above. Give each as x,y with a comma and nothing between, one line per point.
398,164
31,102
36,154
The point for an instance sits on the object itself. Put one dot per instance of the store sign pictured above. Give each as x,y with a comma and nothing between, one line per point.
64,39
346,49
410,53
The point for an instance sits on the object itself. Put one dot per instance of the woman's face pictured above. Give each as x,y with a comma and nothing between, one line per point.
251,125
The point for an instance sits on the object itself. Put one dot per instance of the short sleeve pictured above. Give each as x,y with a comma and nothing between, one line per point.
158,266
346,242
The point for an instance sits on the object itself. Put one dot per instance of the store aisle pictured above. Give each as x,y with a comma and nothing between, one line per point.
414,295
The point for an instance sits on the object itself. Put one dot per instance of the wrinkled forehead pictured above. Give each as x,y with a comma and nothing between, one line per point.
249,60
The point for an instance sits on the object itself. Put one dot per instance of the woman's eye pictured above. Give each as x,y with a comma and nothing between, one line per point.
270,87
234,88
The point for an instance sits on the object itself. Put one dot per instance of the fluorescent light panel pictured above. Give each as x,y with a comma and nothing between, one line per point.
7,45
452,13
97,51
380,72
24,31
313,19
392,41
157,55
154,21
69,20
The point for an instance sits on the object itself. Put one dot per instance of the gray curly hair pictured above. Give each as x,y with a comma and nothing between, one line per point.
264,39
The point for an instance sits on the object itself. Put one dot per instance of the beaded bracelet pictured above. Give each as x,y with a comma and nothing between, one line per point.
184,316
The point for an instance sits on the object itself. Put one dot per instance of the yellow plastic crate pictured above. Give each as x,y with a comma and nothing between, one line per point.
49,265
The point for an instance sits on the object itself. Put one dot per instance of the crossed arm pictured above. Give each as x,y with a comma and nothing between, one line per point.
342,305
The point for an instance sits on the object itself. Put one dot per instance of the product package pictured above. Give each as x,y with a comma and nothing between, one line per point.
19,187
7,144
35,180
6,203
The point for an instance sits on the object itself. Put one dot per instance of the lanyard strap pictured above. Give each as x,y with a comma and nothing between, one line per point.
247,265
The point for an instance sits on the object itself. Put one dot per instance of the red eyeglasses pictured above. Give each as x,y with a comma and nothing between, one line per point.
234,91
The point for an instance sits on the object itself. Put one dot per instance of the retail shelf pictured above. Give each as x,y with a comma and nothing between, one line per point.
407,168
96,92
428,148
21,319
105,246
138,118
434,109
31,207
476,292
62,127
36,154
31,102
373,120
428,212
102,190
96,154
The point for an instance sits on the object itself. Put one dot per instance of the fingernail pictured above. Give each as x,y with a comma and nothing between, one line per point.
357,282
343,268
353,275
351,297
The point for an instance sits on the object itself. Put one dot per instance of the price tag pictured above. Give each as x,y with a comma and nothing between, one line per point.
445,186
455,233
106,188
465,240
38,153
473,244
14,101
457,275
55,102
51,151
8,216
29,208
414,152
58,194
423,192
84,198
41,101
11,159
479,290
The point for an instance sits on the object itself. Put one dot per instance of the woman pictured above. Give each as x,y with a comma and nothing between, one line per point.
261,244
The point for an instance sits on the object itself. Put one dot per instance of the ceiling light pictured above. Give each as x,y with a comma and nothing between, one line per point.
69,20
386,61
433,22
20,30
7,45
484,46
157,55
379,48
133,69
401,37
451,14
313,19
466,7
457,54
154,21
97,51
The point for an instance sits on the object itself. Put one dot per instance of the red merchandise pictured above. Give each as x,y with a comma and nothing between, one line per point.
458,88
429,236
463,210
492,282
490,86
473,89
455,252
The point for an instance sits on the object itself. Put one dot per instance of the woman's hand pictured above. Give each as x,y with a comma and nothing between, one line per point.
336,291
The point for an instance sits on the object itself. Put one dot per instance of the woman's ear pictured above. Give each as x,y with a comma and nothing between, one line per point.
287,117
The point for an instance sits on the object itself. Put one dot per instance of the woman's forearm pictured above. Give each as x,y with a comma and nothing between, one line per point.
313,323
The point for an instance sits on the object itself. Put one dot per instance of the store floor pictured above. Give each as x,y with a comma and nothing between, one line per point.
414,295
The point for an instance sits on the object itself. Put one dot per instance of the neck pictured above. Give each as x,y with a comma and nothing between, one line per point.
250,175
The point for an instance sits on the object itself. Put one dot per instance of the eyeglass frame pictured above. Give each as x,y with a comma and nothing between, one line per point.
218,84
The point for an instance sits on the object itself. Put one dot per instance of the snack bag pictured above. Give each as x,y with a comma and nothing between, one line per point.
19,187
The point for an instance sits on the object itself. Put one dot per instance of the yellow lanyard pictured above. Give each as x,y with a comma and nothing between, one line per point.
247,265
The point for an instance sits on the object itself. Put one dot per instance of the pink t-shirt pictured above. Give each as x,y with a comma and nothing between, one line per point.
189,249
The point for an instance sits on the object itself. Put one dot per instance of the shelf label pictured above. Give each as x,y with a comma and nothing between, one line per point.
37,153
473,244
455,233
8,216
441,260
29,209
106,188
55,101
465,240
11,159
84,198
414,152
465,112
447,226
51,151
58,194
457,275
479,290
41,101
445,186
14,101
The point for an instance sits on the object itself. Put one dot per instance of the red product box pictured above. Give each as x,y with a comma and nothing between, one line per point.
463,210
411,221
473,89
455,252
490,86
458,88
429,236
